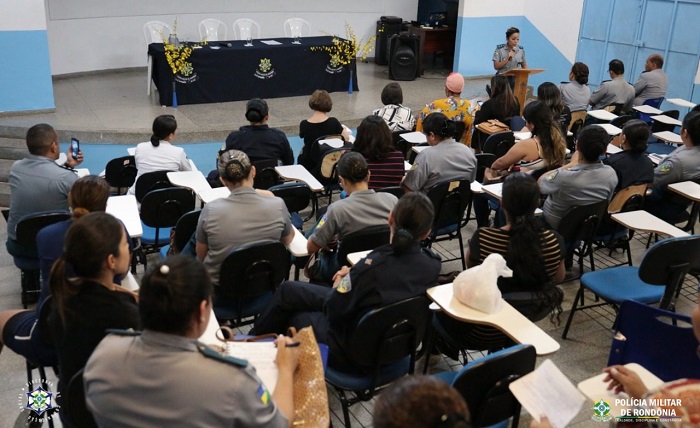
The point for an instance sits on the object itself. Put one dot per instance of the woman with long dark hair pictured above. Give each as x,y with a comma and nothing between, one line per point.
549,94
393,272
159,154
531,251
168,365
374,142
86,302
501,106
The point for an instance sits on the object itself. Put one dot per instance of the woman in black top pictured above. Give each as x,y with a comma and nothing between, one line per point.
549,94
86,302
632,165
318,125
501,106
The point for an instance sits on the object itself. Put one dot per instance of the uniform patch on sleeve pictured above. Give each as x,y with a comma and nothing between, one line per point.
414,166
345,285
552,175
263,394
665,167
321,222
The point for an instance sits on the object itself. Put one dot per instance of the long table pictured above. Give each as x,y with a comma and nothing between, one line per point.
230,71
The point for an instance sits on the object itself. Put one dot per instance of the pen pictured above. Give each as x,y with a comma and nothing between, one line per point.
293,344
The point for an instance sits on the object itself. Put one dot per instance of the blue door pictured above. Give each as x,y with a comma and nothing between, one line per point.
631,30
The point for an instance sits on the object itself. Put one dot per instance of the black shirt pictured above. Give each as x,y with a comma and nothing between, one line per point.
312,131
631,168
261,143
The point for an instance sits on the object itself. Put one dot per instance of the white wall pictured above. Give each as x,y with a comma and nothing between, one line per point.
559,21
23,15
86,35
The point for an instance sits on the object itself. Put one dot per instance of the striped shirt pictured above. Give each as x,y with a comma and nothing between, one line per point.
386,172
488,240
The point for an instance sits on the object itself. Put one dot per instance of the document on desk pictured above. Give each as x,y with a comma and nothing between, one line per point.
260,355
547,391
336,143
271,43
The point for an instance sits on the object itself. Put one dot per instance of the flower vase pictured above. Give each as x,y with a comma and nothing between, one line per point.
351,66
174,95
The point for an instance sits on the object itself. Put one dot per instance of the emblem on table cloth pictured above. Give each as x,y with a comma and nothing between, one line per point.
38,401
601,411
265,70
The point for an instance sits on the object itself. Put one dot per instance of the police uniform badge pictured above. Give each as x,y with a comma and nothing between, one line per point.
414,166
345,285
552,175
263,394
665,167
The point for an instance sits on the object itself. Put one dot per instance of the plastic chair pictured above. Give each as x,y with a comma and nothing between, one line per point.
121,173
184,229
459,130
154,32
383,348
296,196
265,174
73,405
394,190
621,120
368,238
517,123
653,102
244,27
657,126
212,30
327,172
248,277
27,229
499,143
296,27
450,200
484,384
657,279
151,181
661,341
160,211
578,227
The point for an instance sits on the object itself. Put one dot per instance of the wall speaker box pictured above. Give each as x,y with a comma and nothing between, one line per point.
403,62
387,26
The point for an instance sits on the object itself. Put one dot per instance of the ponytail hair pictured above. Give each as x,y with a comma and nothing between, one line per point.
438,124
163,126
88,194
413,218
88,242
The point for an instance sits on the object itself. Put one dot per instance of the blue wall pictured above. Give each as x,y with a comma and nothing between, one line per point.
25,80
478,37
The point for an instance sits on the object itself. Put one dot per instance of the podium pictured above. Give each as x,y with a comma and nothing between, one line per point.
520,88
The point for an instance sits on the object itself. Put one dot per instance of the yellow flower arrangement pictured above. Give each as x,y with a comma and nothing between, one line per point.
177,56
345,51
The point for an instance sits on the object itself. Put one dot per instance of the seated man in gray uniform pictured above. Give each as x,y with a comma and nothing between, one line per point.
362,208
652,83
583,181
681,165
445,159
37,183
615,91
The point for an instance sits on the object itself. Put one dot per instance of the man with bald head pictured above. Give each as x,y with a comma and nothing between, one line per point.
37,183
652,82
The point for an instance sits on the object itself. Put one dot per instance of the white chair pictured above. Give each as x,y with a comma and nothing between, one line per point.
212,30
244,27
154,32
296,27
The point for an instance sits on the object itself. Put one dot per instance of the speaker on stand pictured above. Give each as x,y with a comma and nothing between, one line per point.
403,60
387,26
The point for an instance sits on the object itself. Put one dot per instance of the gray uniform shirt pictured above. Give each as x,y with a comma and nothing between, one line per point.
360,210
651,84
242,218
37,184
501,53
449,160
616,91
681,165
575,95
583,184
162,380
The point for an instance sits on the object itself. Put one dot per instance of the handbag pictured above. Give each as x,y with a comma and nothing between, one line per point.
310,393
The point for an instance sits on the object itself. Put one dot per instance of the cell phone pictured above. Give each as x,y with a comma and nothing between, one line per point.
74,147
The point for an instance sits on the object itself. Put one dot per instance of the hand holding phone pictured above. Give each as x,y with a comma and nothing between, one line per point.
74,148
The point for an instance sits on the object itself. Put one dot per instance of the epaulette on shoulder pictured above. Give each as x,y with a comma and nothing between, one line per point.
521,48
565,83
210,353
606,81
119,332
502,45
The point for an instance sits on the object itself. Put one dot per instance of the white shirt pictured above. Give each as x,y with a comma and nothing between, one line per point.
165,157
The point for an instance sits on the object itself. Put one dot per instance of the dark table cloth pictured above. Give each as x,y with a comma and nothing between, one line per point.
237,72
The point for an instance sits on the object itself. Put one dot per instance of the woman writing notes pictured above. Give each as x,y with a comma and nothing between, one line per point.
509,55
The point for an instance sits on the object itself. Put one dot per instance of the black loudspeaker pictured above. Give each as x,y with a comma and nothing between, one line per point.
387,26
403,63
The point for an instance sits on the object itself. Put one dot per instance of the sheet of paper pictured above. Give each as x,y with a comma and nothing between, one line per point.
336,143
271,42
261,355
522,135
547,391
414,137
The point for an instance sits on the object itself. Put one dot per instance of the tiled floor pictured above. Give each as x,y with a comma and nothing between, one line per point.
116,102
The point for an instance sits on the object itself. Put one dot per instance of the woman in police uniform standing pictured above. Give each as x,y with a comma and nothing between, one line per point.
509,55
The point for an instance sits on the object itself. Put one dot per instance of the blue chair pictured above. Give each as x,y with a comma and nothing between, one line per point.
383,348
653,102
484,384
450,200
661,341
184,229
658,278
